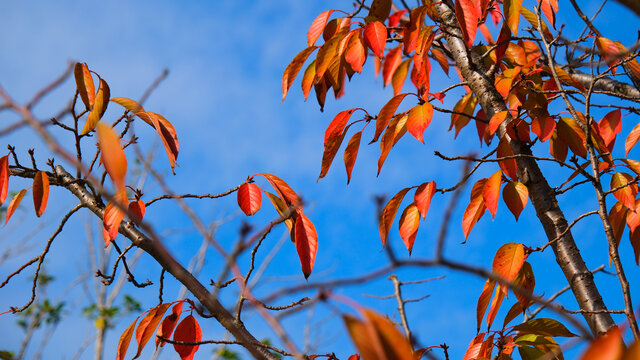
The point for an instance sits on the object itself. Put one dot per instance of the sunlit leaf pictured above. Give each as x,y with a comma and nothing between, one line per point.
526,281
386,113
391,63
167,133
136,211
308,79
441,59
293,69
99,107
84,84
13,205
545,327
570,133
167,325
379,10
632,139
497,119
306,243
422,198
40,192
511,9
617,218
543,126
131,105
627,194
375,36
317,27
148,325
462,112
498,297
113,157
4,178
355,54
475,209
508,261
610,126
396,129
408,224
113,215
249,198
467,16
351,153
419,119
491,192
515,195
188,330
483,300
125,339
389,213
473,350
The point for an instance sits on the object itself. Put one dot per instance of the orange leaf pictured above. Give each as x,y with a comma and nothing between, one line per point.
558,148
441,59
351,152
566,78
495,305
526,281
508,261
610,126
424,194
306,243
550,8
284,191
168,324
515,195
508,166
99,107
467,16
633,352
570,133
13,205
497,119
136,211
188,330
308,79
617,218
473,351
167,133
391,63
113,215
293,69
543,126
113,158
475,209
317,27
483,300
634,238
462,110
131,105
40,192
511,9
125,339
4,178
148,325
627,194
504,81
396,130
419,119
609,346
408,224
326,55
632,139
389,213
385,115
337,125
504,38
249,198
491,192
281,207
355,54
375,36
363,337
394,345
84,84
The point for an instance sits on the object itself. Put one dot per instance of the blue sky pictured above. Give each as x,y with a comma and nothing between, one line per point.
223,96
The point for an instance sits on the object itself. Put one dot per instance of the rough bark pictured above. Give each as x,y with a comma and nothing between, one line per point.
542,196
609,85
162,256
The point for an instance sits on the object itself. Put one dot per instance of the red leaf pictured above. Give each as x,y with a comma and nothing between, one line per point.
515,195
632,139
113,216
467,16
148,325
408,224
249,198
4,178
491,192
306,243
419,119
351,152
330,150
188,330
609,346
99,107
473,351
317,27
543,126
570,132
627,194
168,324
389,213
526,281
558,148
610,126
424,194
475,209
125,339
355,54
511,9
441,59
84,84
13,205
508,166
503,42
337,125
391,63
508,261
483,300
113,157
550,8
375,36
386,113
40,192
284,191
293,69
136,211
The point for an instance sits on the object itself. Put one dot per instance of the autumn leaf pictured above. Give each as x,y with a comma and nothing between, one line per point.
125,339
507,262
408,224
284,191
396,129
337,125
634,239
545,327
526,281
543,126
498,297
419,119
165,329
131,105
422,198
167,133
148,325
550,8
376,337
610,126
136,211
626,194
351,153
632,139
386,113
249,198
293,69
483,300
317,27
355,54
462,111
609,346
497,119
99,107
511,9
473,350
617,218
326,55
306,243
391,63
491,192
13,205
188,330
4,178
515,195
441,59
379,10
389,213
84,84
113,157
570,132
467,16
475,209
375,37
113,215
40,192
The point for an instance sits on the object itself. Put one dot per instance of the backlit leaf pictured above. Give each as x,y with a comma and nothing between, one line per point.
566,78
167,325
498,297
363,337
497,119
609,346
550,8
113,215
40,192
558,148
284,191
125,339
543,126
617,218
375,36
355,54
491,192
281,208
570,132
167,133
293,69
84,84
467,16
389,213
131,105
632,139
419,119
463,109
508,166
306,243
634,238
394,345
386,113
610,126
136,211
330,150
308,79
326,55
422,198
511,9
475,209
483,300
188,330
545,327
351,153
627,194
4,178
113,157
408,224
504,81
508,261
396,129
99,107
473,350
148,325
249,198
317,27
441,59
515,195
13,205
391,63
337,125
527,282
